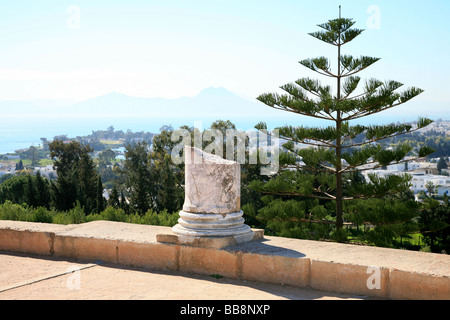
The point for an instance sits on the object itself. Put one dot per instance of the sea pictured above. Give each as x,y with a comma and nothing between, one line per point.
22,131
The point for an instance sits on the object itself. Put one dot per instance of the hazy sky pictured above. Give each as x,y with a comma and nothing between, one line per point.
76,49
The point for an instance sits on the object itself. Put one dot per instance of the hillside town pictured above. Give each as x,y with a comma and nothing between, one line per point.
426,176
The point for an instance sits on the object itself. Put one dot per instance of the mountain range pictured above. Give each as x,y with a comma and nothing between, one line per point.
209,102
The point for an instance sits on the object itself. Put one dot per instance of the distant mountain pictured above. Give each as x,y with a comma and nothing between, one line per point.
209,102
218,103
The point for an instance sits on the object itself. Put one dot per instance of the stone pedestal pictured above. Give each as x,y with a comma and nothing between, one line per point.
211,214
211,225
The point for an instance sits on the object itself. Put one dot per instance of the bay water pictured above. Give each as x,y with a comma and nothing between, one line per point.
22,131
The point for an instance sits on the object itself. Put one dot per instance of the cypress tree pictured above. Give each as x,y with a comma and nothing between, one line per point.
114,200
42,191
340,149
442,164
30,191
124,204
100,201
77,175
137,177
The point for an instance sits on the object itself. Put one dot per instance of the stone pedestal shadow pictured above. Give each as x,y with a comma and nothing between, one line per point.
211,215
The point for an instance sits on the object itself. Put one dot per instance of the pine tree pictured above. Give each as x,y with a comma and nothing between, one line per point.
137,177
19,165
77,176
336,151
442,164
87,183
114,200
124,204
30,191
166,177
42,191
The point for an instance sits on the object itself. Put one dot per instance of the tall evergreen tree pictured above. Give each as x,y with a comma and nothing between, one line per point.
167,178
335,152
124,204
77,176
30,191
19,165
442,164
114,200
136,174
434,221
100,201
43,196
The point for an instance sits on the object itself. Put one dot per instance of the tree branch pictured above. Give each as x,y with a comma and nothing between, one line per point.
377,166
325,144
295,194
299,112
382,138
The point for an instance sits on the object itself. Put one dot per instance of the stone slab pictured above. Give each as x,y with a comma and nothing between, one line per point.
209,242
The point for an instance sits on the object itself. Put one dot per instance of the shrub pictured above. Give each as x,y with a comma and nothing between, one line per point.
73,216
12,211
109,214
41,214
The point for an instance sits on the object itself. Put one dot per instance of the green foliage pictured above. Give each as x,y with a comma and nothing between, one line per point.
109,214
137,177
324,172
162,218
389,219
380,186
14,212
442,164
167,177
434,221
77,176
76,215
17,212
33,190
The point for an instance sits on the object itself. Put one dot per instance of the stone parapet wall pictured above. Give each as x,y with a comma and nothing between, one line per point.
367,271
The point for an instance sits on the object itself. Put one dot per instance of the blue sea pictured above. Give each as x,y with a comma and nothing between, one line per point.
22,131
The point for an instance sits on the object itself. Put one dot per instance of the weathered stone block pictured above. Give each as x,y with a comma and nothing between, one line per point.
148,255
212,184
348,278
86,248
416,286
26,241
209,261
275,269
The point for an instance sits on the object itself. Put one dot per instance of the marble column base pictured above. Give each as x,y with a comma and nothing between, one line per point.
211,230
211,225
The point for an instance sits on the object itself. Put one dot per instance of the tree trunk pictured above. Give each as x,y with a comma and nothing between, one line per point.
339,195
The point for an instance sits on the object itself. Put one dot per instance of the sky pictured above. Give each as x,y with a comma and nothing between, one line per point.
81,49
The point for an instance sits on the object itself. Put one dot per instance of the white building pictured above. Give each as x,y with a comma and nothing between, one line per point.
443,190
420,177
419,181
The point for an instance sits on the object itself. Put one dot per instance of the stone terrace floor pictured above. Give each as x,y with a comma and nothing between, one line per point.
35,277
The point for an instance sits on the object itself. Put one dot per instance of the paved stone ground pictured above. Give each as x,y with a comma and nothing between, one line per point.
32,277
